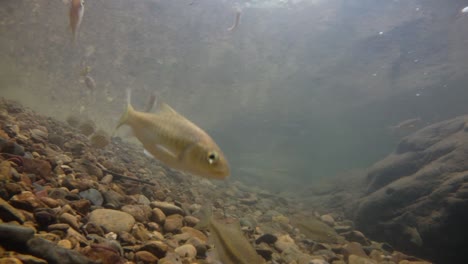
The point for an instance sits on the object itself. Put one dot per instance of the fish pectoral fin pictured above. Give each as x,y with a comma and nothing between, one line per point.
185,151
160,152
148,154
166,151
165,108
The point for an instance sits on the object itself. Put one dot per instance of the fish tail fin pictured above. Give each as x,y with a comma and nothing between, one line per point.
205,217
125,116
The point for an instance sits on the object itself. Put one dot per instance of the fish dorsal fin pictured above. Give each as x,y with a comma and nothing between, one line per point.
165,108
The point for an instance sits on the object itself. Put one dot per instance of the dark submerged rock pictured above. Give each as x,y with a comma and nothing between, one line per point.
55,254
419,194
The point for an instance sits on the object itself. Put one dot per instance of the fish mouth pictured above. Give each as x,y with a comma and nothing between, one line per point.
220,173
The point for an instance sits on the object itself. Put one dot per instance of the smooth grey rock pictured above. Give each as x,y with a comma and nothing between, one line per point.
112,220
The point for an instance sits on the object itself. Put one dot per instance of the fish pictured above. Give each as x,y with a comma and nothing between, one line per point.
151,102
85,71
464,10
175,141
90,83
230,244
316,230
236,20
76,16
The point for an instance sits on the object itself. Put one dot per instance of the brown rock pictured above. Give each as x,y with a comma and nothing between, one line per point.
195,233
158,216
127,238
62,227
50,202
13,188
10,260
356,236
377,255
65,243
173,223
328,219
28,259
82,206
413,262
103,253
92,228
107,179
141,213
139,232
353,248
168,208
160,195
186,251
9,213
146,257
26,200
36,166
157,248
5,171
353,259
70,219
191,220
152,226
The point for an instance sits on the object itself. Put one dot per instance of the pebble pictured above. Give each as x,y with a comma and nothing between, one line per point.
186,251
93,195
168,208
171,258
82,206
192,232
9,260
342,228
356,236
26,200
50,202
353,248
158,216
266,238
126,238
70,220
283,242
140,232
146,257
353,259
328,219
112,199
9,213
28,259
173,223
103,253
62,227
65,243
191,220
141,213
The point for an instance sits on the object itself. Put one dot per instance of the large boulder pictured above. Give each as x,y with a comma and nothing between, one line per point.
417,197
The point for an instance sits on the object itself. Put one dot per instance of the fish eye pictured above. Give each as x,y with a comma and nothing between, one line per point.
212,157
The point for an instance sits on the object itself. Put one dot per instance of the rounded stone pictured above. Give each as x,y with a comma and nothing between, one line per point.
146,257
186,251
107,219
173,223
158,216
